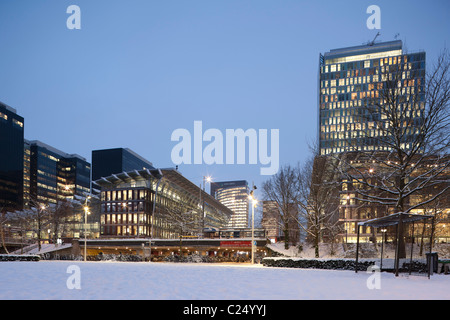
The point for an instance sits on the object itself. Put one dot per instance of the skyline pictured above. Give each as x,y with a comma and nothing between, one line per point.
136,72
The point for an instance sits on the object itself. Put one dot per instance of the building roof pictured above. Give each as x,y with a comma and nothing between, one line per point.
53,149
169,174
394,219
136,155
11,109
364,49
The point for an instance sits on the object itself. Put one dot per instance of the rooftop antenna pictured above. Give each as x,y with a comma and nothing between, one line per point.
373,41
396,36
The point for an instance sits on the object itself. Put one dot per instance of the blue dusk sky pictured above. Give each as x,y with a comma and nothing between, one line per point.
138,70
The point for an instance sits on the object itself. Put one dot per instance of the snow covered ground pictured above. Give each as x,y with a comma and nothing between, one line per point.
172,281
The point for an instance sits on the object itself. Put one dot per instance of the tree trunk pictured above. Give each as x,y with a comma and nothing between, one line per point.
401,240
3,239
39,234
421,238
316,244
286,236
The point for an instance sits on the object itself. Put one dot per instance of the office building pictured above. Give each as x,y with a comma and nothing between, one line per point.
234,195
55,175
271,221
111,161
274,225
350,84
157,203
11,158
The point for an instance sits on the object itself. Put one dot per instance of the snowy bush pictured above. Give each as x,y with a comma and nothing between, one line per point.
334,264
17,257
416,266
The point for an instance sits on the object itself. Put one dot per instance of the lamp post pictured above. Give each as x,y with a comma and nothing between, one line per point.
383,238
202,199
86,212
254,201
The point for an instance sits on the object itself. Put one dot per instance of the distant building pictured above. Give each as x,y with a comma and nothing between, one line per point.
11,158
271,221
274,226
53,174
106,162
234,195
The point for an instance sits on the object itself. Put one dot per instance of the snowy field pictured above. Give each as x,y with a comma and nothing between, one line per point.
171,281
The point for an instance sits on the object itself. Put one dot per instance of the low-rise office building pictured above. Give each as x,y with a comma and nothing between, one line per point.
158,204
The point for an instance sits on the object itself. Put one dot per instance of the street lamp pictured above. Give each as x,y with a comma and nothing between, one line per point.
42,208
254,202
383,238
202,199
86,212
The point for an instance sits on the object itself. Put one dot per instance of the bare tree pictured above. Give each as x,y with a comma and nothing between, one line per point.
3,221
437,225
58,215
408,126
283,189
38,213
318,200
182,219
21,221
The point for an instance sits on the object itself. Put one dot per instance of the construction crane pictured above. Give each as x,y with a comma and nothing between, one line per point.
371,43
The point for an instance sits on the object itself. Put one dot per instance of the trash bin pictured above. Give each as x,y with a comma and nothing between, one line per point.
432,261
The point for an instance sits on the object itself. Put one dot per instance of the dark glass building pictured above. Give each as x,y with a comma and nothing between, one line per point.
112,161
55,174
11,158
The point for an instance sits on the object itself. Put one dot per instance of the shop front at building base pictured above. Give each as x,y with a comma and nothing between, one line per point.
238,250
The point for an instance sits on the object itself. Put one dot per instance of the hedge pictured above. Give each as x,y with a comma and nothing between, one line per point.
333,264
17,257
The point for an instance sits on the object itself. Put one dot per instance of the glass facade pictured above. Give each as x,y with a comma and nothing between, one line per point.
234,195
126,212
134,205
351,82
55,174
11,158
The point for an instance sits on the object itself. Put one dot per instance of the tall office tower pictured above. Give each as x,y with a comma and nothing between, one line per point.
11,159
55,174
234,195
351,81
111,161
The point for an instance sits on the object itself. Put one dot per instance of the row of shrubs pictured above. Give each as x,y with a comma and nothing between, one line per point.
416,266
337,264
334,264
17,257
